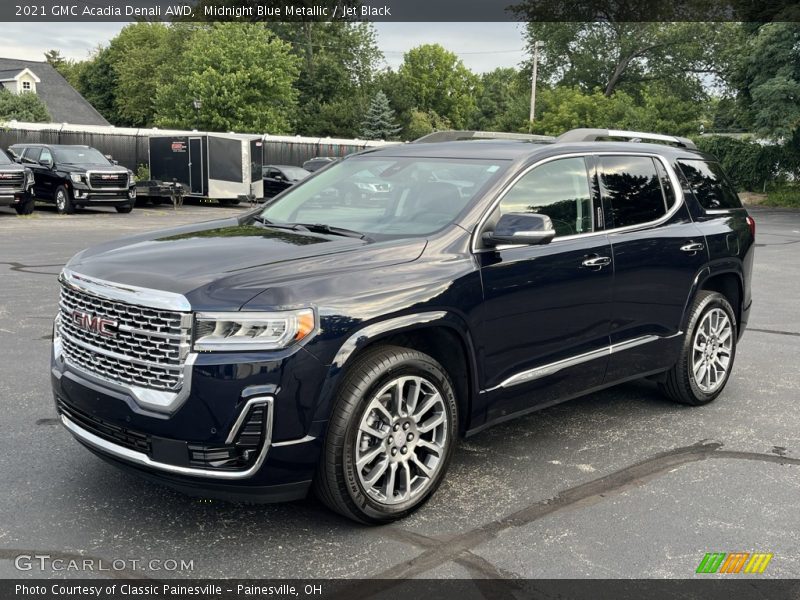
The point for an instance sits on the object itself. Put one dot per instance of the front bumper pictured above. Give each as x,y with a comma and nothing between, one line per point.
108,420
84,194
12,197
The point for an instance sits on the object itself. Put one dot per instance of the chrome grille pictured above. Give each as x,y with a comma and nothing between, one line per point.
103,180
147,347
12,180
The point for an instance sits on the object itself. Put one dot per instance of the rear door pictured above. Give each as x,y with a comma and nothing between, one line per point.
546,311
658,252
196,175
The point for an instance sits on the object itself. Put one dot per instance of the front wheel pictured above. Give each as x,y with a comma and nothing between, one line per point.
124,208
26,206
707,354
63,200
390,437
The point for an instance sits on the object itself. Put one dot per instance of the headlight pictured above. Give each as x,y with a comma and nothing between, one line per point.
76,177
131,178
231,331
28,177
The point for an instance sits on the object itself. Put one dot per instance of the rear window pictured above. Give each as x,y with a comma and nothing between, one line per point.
711,187
632,189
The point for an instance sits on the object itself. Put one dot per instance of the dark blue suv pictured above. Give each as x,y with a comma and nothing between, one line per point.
343,336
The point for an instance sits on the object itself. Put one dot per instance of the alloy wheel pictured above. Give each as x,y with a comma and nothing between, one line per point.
402,439
711,350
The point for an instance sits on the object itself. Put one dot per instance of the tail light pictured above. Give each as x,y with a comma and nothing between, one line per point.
751,223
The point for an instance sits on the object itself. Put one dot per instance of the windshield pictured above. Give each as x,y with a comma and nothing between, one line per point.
385,196
4,160
80,156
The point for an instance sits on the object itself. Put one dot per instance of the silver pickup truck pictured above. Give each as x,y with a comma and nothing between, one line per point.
15,185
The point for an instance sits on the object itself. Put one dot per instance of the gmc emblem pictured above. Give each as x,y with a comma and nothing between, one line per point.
109,176
94,324
5,176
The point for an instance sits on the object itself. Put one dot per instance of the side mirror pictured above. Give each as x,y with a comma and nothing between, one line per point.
521,228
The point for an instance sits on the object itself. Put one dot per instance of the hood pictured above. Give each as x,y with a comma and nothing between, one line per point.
11,168
92,167
221,265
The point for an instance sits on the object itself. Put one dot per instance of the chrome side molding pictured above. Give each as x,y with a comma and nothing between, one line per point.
555,367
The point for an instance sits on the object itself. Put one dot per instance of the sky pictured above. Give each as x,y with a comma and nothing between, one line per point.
482,46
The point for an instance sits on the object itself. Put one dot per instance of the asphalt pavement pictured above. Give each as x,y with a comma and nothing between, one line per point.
617,484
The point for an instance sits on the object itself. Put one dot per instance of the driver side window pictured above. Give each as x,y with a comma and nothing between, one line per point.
559,189
45,157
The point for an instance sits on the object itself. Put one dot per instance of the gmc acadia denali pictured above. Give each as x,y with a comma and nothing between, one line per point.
345,344
76,176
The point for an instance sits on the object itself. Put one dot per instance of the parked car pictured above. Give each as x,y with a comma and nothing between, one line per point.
15,184
76,176
316,163
313,343
280,177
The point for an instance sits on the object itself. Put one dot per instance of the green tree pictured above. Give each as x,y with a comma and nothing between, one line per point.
380,123
422,123
96,80
242,74
627,55
141,59
768,80
26,107
436,80
503,101
338,65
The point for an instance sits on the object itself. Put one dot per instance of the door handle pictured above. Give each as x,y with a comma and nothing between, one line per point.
597,262
692,247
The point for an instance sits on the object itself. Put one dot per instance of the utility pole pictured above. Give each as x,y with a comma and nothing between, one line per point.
536,46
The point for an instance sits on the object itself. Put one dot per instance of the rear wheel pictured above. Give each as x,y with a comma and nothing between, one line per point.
26,206
390,438
63,200
708,351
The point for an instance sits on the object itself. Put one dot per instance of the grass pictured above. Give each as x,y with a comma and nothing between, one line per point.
785,195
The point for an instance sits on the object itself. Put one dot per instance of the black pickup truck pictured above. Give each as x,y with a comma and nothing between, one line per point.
76,176
15,184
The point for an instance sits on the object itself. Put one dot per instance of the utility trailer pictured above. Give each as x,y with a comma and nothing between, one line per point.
223,166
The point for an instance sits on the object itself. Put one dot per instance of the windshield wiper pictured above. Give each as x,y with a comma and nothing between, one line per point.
314,228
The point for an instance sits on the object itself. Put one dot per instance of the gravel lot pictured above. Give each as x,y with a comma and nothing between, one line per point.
617,484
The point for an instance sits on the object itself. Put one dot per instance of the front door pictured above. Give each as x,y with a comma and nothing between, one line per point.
547,308
196,166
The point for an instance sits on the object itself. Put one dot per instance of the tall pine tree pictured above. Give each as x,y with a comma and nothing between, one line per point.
379,123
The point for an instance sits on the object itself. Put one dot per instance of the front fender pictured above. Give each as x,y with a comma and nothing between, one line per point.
382,329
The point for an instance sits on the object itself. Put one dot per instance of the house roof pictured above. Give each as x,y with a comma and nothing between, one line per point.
63,102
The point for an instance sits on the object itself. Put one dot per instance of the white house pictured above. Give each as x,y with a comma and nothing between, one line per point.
18,81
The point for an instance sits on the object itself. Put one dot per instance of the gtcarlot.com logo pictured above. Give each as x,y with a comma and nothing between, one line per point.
46,562
734,562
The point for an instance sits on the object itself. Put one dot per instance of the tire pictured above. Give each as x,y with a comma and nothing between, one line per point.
27,206
375,379
124,208
63,201
707,354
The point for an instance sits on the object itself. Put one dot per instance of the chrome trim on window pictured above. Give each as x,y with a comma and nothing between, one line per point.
555,367
141,459
126,293
679,199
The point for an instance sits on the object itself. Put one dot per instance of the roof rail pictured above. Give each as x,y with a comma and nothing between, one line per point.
454,136
592,135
